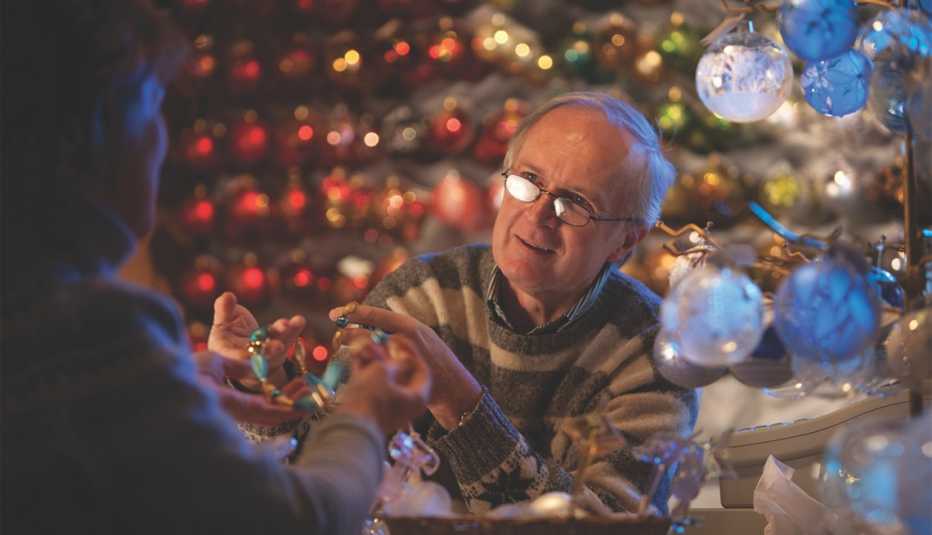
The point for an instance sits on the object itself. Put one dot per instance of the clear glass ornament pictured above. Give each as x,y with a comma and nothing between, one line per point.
675,368
914,473
859,474
716,314
898,32
818,29
839,85
744,77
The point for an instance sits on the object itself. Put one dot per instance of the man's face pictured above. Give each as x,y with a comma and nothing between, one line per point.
570,149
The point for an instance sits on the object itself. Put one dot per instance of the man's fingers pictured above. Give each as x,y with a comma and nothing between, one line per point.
386,320
235,368
224,308
255,409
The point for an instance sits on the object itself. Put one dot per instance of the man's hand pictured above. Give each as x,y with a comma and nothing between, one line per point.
455,390
390,384
229,336
213,369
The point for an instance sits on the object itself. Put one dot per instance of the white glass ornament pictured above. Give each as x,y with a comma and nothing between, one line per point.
744,77
716,314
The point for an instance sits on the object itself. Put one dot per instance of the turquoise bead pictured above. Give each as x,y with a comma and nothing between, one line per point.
306,404
259,335
333,375
260,367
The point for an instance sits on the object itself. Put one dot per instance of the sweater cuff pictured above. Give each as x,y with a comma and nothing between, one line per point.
481,444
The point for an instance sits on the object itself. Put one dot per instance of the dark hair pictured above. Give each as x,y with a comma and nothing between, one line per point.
69,66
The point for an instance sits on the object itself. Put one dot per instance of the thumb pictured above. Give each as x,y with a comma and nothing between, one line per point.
224,308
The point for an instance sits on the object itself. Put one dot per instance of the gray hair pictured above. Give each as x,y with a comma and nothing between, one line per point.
649,173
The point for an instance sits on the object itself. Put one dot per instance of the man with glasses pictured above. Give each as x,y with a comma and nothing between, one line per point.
542,326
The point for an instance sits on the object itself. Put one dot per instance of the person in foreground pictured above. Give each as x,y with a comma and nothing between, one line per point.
110,425
542,326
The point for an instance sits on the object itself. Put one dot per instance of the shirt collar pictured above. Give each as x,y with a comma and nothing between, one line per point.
493,300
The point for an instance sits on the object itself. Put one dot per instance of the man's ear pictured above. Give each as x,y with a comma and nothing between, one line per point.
631,238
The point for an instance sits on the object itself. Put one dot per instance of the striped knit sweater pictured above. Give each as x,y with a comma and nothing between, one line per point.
513,447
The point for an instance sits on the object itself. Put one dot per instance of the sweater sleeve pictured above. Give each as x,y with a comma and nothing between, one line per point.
166,459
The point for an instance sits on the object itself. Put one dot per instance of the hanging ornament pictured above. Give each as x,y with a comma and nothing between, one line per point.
888,93
249,139
297,137
825,312
909,348
250,282
744,77
914,471
717,315
198,214
498,131
203,62
296,63
896,32
839,85
448,53
616,44
675,368
202,283
245,69
818,29
858,475
767,366
451,130
294,204
460,203
199,145
249,210
298,277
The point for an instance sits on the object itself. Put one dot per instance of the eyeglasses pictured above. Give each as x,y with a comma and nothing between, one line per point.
569,210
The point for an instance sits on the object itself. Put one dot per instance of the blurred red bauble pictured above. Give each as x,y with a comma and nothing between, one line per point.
298,279
197,335
248,211
245,69
296,63
460,203
249,139
198,214
202,64
199,145
250,282
298,137
202,283
451,130
294,205
360,205
335,191
498,131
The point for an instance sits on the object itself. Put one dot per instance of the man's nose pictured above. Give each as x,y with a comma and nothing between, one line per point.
542,211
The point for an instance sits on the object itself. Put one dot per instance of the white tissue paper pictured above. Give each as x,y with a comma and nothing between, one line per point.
786,507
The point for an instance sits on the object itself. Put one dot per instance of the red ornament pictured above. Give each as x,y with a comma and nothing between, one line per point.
197,335
451,131
298,279
460,203
203,283
298,137
249,140
248,212
245,70
199,145
335,191
493,143
250,282
198,214
297,62
203,62
294,205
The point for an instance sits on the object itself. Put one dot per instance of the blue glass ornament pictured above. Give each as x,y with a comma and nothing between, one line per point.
888,93
818,29
914,494
837,86
896,32
826,312
887,287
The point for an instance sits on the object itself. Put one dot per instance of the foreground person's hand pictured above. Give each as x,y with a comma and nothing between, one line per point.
229,336
213,369
389,385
